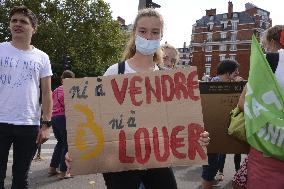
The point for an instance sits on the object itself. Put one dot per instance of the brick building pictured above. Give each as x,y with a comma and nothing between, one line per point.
184,56
228,35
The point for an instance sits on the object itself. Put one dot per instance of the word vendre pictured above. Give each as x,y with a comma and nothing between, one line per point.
165,88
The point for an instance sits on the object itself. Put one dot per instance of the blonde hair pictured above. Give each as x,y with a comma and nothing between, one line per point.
168,46
130,50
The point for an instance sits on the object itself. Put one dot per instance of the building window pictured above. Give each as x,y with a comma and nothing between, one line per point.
222,57
222,48
233,36
235,15
223,36
207,70
234,25
233,47
192,37
233,57
208,48
208,59
224,15
209,37
211,18
224,25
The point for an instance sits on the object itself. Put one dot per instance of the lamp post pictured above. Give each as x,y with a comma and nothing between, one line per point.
147,4
66,62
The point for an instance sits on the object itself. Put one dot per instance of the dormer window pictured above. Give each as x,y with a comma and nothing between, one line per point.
210,26
224,25
235,15
224,15
211,18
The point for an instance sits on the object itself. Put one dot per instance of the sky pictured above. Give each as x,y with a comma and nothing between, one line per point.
180,15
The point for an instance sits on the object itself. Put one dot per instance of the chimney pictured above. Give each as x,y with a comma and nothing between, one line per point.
142,4
230,9
184,44
121,21
211,12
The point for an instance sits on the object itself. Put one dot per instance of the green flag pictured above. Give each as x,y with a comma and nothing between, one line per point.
264,106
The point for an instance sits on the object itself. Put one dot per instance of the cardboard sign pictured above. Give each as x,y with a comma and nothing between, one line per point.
134,121
218,99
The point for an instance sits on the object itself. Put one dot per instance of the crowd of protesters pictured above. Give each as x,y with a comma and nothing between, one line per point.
21,117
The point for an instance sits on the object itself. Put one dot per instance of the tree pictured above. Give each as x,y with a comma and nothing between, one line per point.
82,30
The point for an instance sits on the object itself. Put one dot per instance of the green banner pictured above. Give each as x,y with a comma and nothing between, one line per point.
264,106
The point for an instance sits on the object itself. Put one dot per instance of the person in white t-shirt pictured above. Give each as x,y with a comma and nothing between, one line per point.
23,69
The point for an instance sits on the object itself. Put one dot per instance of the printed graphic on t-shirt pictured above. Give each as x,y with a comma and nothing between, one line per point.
23,70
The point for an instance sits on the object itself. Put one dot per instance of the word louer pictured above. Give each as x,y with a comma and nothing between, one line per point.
161,150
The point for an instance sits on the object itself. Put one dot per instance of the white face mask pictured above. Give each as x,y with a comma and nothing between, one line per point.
146,47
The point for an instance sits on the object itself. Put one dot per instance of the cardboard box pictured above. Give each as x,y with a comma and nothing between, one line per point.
218,99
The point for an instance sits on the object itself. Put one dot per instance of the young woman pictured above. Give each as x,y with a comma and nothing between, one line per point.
170,56
142,54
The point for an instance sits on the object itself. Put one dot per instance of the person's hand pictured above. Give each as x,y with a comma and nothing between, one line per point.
43,135
204,138
68,161
238,78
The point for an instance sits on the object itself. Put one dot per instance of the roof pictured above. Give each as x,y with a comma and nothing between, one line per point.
243,18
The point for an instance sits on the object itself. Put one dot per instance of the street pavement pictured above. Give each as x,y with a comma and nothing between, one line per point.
187,177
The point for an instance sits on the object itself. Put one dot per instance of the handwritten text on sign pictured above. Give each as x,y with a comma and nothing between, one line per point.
134,121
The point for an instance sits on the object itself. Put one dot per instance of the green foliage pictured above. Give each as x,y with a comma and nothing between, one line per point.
82,29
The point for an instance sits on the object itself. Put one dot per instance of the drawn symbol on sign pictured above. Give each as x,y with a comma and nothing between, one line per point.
96,130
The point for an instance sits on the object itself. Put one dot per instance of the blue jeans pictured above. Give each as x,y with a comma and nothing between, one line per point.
209,171
216,163
237,161
60,149
23,138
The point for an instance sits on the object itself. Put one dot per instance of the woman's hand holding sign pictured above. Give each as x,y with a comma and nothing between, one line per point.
204,139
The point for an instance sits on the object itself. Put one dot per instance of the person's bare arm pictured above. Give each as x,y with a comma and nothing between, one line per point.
43,134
